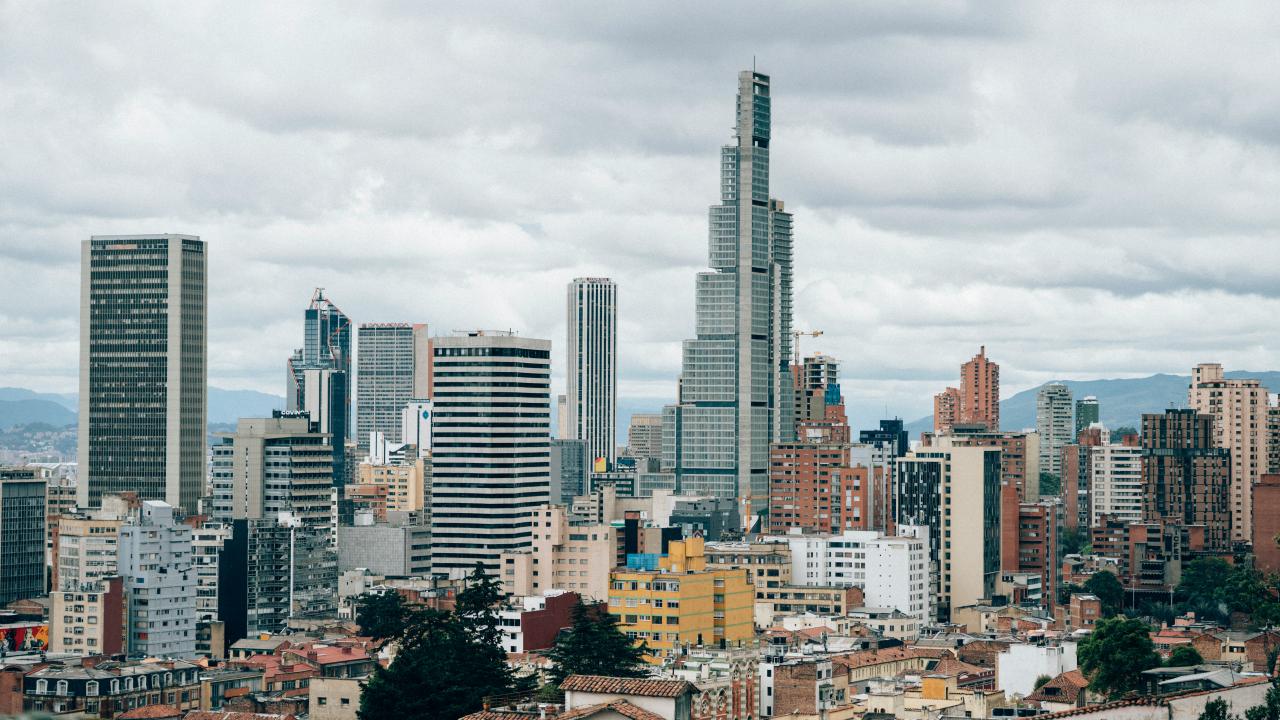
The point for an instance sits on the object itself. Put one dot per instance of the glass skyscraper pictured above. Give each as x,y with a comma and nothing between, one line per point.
592,352
736,390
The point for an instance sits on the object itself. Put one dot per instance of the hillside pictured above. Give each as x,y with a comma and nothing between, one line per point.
19,406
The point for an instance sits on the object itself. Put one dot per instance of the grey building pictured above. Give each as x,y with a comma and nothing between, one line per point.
569,466
392,362
592,361
159,584
390,549
710,517
272,465
736,392
143,377
319,376
490,446
22,533
644,440
1053,424
274,569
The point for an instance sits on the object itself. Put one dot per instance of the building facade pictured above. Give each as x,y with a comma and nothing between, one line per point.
160,584
1053,424
592,364
393,363
22,535
143,375
272,465
566,554
980,391
1239,410
490,447
644,439
1115,482
1186,475
736,389
1087,413
956,493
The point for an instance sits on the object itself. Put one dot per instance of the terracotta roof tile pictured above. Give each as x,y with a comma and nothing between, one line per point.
498,715
644,687
1066,688
150,712
622,707
228,715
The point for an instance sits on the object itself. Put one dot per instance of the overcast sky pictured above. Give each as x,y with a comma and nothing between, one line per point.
1090,189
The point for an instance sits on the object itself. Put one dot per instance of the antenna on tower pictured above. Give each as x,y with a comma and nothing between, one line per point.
753,63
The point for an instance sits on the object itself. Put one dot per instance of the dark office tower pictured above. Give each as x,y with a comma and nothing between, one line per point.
490,447
319,378
143,349
22,532
392,365
736,393
891,435
1185,478
1086,412
591,395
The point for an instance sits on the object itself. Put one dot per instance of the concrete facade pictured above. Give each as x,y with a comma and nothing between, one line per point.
1239,410
160,584
564,555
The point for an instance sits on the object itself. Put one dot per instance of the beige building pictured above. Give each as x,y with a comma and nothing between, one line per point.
565,556
85,546
404,482
1239,410
768,563
333,698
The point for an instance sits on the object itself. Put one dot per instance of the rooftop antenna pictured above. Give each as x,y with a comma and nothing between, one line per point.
753,63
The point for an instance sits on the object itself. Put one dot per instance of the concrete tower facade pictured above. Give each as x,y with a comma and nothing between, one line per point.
392,364
592,389
980,391
490,446
737,393
143,368
1053,424
1239,411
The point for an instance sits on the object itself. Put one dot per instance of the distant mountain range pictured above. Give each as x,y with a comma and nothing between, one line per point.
19,406
1120,401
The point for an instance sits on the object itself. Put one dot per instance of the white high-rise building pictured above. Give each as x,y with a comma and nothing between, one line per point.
392,365
143,378
491,407
591,395
736,391
160,584
1054,424
1115,482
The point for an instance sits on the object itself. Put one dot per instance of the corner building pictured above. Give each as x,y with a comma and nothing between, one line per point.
491,462
737,393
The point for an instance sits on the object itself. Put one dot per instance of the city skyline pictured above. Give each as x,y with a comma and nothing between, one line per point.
920,221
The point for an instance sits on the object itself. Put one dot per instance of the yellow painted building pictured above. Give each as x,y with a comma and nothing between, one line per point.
682,602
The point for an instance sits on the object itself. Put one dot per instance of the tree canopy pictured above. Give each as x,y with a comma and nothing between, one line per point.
447,663
382,615
1107,587
1184,656
1115,654
595,646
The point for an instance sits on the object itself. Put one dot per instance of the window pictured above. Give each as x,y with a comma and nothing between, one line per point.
322,701
91,687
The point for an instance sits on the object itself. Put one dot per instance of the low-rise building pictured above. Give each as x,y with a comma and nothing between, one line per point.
334,698
774,603
888,622
682,603
1021,663
566,554
391,549
532,623
103,689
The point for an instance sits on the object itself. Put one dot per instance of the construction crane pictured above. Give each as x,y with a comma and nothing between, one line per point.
795,341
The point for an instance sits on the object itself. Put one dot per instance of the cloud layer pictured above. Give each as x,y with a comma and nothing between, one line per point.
1088,189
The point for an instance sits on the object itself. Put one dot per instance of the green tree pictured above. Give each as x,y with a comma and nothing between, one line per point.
595,646
1050,484
1108,589
1042,680
382,615
1216,709
1184,656
1202,583
446,664
1073,540
1118,434
1115,654
1066,590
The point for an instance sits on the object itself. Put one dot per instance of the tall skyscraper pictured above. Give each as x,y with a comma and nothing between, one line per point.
1086,412
736,393
491,400
1240,412
1186,477
143,378
980,391
946,410
1053,424
592,388
392,363
319,379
